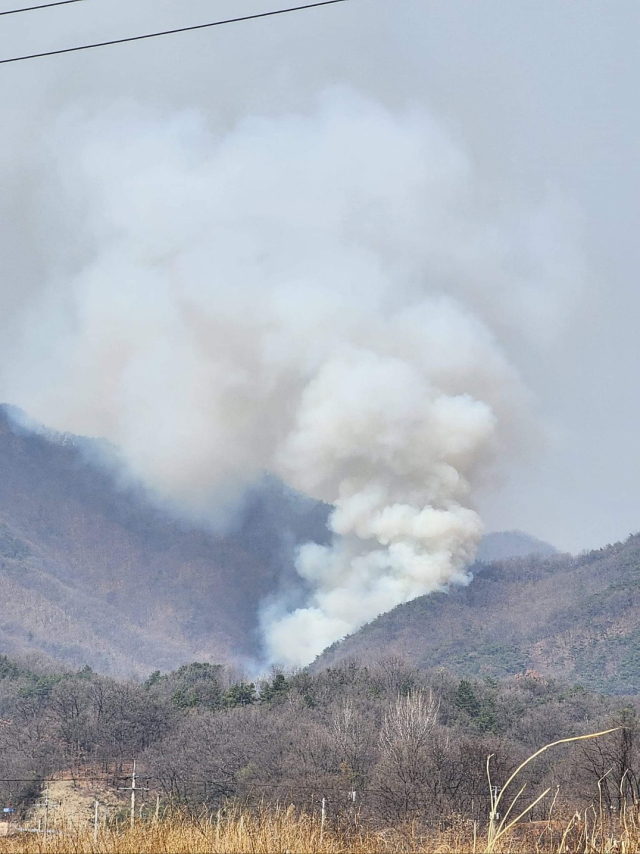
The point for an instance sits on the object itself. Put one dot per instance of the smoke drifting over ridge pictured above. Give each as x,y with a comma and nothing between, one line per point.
305,294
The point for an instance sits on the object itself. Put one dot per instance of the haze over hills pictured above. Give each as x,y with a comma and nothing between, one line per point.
574,618
501,545
92,573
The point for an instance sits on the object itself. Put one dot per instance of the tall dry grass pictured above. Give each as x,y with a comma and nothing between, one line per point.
276,831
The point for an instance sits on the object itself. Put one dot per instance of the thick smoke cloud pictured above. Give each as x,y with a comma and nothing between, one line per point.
306,294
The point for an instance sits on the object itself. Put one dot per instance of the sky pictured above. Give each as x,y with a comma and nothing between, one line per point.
541,98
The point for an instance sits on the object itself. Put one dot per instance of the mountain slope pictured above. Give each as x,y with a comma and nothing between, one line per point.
573,618
93,573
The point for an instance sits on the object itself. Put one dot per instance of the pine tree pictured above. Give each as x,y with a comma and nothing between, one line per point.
465,699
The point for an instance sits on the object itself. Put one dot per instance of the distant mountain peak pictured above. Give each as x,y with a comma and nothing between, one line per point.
502,545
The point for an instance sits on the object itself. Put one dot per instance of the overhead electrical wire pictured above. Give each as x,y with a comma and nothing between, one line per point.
41,6
167,32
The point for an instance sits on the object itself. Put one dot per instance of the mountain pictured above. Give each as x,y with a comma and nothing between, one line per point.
575,618
501,545
91,572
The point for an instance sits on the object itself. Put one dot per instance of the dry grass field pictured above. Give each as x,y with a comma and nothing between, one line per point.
280,830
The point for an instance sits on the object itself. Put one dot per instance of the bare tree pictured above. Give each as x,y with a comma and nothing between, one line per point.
405,736
613,762
352,733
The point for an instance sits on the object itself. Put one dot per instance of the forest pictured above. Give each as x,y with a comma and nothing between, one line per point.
393,743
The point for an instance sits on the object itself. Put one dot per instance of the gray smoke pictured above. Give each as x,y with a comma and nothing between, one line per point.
306,294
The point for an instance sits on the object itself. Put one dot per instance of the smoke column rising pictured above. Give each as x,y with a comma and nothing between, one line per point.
305,294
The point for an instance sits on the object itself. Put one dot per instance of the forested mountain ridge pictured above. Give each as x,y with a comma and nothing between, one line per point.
575,618
92,573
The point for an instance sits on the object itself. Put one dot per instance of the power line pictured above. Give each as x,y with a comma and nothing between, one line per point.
42,6
167,32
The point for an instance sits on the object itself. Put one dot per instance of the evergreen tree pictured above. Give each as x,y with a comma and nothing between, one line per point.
275,690
466,700
241,694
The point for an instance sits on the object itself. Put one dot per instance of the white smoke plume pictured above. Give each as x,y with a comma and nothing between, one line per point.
305,294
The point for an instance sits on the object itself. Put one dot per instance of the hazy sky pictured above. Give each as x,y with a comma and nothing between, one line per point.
541,96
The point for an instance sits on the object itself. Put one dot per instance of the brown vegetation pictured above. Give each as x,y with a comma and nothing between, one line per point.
386,749
276,830
353,759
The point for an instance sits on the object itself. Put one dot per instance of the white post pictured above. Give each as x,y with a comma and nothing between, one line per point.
96,807
157,817
46,812
323,818
133,795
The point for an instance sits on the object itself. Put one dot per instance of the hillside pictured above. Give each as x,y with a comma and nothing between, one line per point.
575,618
92,573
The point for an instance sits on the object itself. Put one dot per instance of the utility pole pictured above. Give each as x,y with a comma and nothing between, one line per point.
133,789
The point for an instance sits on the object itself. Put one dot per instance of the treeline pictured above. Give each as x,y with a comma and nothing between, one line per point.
391,742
